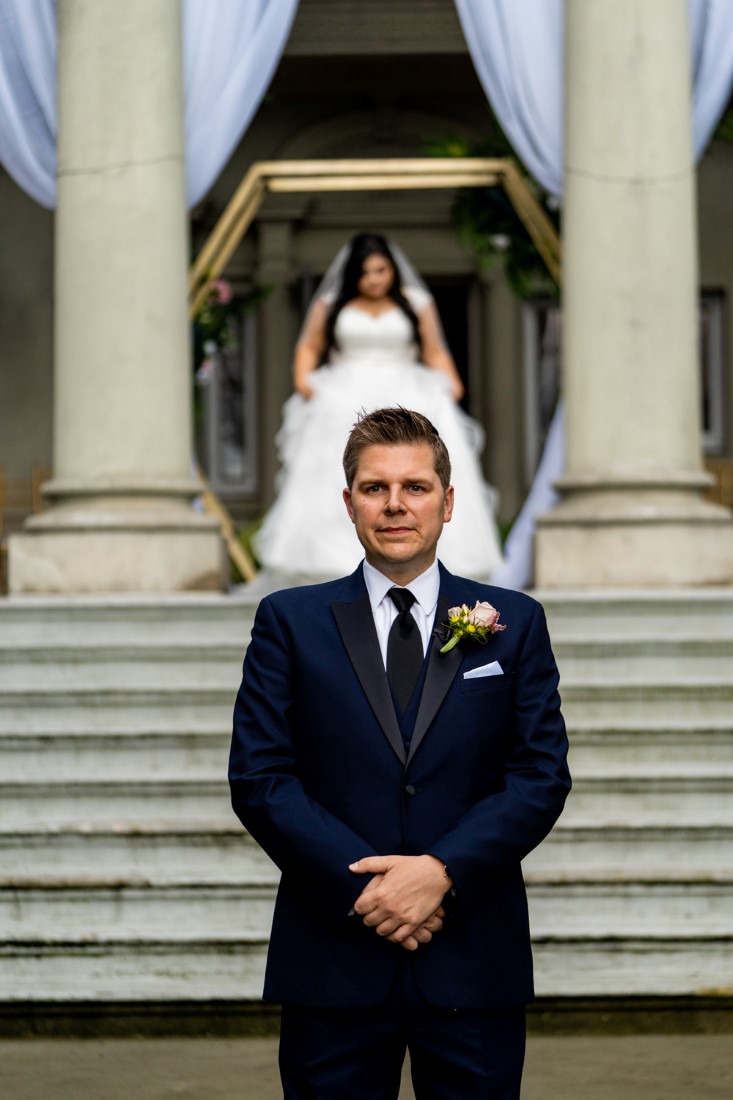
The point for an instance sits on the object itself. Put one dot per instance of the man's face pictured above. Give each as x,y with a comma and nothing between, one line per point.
398,507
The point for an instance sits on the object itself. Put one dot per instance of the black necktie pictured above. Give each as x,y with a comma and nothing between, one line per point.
404,649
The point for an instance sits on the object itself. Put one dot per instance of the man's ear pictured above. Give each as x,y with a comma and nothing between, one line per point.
347,502
448,504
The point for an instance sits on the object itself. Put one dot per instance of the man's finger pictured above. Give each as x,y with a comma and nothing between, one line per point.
374,865
423,934
383,924
402,932
363,903
367,902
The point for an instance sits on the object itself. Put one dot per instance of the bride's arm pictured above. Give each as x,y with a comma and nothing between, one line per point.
310,348
434,352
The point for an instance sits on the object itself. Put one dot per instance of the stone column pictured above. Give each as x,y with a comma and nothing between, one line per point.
502,392
631,511
276,340
120,516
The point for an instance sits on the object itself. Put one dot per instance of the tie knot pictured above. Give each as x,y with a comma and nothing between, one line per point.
402,598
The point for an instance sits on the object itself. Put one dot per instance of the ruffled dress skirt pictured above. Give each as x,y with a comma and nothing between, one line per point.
307,532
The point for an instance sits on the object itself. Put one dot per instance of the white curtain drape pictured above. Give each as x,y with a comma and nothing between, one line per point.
28,95
230,51
517,50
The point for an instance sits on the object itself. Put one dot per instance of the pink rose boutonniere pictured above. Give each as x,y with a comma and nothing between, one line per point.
476,623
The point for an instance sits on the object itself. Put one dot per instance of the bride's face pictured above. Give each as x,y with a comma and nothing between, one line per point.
377,276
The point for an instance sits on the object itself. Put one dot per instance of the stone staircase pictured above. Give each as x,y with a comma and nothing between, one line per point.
632,894
124,875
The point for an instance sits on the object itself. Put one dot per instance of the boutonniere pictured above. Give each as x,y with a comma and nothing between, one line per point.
476,623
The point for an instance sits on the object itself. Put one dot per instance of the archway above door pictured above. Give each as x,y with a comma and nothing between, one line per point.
399,174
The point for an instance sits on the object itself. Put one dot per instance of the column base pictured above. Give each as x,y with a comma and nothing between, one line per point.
649,540
117,545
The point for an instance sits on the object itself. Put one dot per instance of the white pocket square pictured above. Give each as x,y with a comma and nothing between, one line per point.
493,669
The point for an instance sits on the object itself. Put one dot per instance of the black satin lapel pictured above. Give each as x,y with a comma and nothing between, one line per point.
356,626
442,668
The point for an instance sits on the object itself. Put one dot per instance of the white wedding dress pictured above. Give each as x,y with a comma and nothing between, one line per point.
307,531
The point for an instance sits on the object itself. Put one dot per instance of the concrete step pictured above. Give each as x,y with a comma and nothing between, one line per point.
201,748
567,967
677,699
667,794
652,800
598,705
604,614
621,853
96,914
660,772
133,853
106,710
619,910
169,854
601,614
637,660
165,799
627,610
119,620
200,971
80,913
127,708
147,665
596,749
203,753
134,971
179,754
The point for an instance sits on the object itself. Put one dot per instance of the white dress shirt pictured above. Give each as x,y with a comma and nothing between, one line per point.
424,588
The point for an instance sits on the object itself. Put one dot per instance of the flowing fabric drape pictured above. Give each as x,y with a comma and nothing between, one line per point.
517,50
230,51
28,95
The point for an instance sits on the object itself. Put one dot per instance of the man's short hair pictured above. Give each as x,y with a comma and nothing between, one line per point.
391,427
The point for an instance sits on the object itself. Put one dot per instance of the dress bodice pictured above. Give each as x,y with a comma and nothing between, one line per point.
362,337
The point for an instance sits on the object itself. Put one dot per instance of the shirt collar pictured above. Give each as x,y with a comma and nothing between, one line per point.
424,588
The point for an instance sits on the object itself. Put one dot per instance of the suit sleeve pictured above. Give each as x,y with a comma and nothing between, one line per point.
305,840
501,829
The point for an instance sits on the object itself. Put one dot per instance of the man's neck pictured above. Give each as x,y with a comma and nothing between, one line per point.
401,576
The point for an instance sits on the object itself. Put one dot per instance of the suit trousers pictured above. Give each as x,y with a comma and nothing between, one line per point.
357,1054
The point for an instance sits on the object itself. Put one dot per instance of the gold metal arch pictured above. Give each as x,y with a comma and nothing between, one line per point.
404,174
312,176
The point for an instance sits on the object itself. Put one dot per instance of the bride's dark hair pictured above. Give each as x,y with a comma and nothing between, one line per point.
362,246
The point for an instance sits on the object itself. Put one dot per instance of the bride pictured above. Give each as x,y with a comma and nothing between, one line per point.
372,338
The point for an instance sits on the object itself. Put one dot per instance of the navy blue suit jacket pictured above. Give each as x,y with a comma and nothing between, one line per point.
320,777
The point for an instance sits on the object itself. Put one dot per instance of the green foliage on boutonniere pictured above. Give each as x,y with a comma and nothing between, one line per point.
476,623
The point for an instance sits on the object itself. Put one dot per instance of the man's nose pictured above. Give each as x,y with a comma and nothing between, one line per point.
394,501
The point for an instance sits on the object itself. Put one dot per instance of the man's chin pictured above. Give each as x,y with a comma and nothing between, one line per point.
399,553
398,548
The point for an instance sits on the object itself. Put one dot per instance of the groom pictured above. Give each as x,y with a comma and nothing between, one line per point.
398,788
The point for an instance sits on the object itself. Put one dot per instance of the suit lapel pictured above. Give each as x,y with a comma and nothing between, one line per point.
356,626
442,668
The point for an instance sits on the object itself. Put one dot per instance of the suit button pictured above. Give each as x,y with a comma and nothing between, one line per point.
410,790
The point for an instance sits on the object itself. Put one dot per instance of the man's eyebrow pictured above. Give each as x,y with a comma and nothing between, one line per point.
376,480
